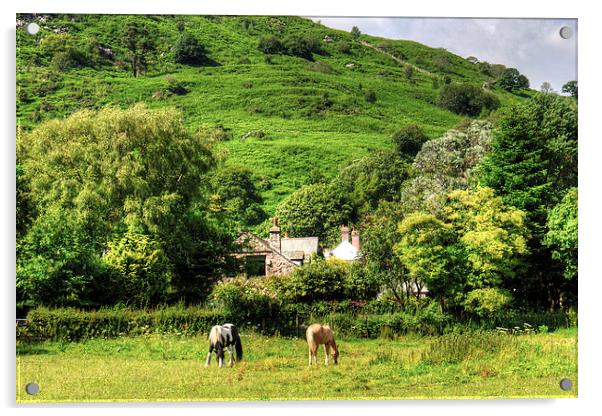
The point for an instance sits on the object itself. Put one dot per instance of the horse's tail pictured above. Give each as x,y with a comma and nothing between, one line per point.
238,347
237,342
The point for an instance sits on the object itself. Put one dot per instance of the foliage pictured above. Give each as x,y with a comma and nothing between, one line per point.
487,302
424,250
370,96
139,269
114,170
444,164
379,234
493,235
236,196
355,32
188,50
302,46
571,89
248,300
270,45
511,80
478,243
62,50
70,324
466,99
314,210
562,235
319,280
138,42
371,179
57,264
409,139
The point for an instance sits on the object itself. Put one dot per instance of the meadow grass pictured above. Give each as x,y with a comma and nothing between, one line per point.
171,368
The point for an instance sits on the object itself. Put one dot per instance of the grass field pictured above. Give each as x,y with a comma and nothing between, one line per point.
171,368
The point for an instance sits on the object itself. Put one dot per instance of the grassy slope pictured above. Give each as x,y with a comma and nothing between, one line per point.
170,368
280,99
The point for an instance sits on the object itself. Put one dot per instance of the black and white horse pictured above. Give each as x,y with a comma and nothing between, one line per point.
220,337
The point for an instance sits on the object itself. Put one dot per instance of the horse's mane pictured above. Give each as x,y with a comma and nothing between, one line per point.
215,335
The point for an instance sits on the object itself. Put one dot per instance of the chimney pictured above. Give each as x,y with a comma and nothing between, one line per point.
275,234
344,233
355,239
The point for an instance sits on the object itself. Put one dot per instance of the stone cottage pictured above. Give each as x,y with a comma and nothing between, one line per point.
277,255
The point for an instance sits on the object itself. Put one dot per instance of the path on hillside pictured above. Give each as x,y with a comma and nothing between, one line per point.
397,59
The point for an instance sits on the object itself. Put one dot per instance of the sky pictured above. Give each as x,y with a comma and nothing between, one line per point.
533,46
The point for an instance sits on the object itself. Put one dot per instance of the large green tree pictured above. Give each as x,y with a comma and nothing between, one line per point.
532,164
115,171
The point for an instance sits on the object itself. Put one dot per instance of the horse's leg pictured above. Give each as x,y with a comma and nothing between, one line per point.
209,356
326,352
230,353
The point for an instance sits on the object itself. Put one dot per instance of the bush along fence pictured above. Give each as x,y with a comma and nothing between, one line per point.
74,325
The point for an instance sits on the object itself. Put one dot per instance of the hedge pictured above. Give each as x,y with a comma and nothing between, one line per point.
72,324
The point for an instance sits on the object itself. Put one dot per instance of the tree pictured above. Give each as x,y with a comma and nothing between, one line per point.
546,87
355,32
477,242
236,196
570,88
409,139
532,163
493,235
510,79
139,44
188,50
562,235
523,81
375,177
445,164
379,234
116,170
424,250
466,99
314,210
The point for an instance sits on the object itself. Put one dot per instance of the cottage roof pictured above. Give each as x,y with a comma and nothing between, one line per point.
307,245
345,251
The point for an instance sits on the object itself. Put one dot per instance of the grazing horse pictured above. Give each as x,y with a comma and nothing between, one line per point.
318,334
220,337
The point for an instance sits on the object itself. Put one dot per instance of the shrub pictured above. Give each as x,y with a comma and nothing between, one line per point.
320,66
466,99
270,45
319,280
249,300
370,96
140,270
487,302
344,47
188,50
409,139
175,86
302,46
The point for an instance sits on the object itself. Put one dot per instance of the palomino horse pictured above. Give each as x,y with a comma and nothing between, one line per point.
220,337
318,334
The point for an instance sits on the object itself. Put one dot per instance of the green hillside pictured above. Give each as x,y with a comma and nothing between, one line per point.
280,116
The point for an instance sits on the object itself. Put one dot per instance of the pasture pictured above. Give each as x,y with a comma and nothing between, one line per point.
171,368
